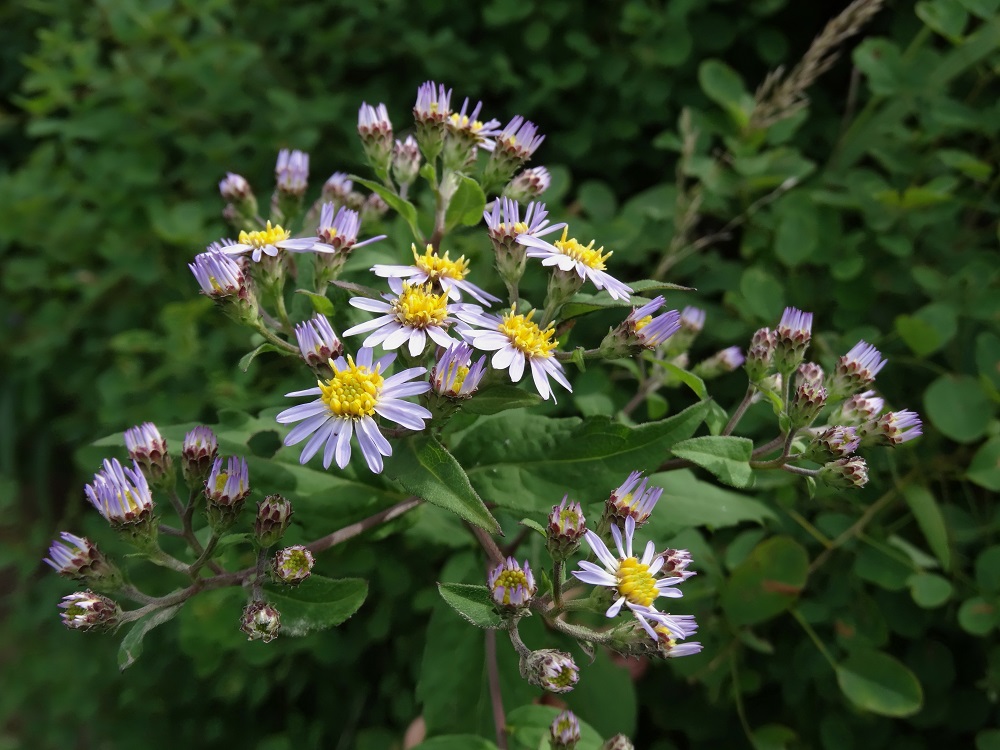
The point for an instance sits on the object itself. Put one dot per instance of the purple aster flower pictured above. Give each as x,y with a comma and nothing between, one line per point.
511,586
648,331
433,103
318,343
633,499
792,336
292,172
857,369
436,268
85,610
454,375
120,494
570,256
218,275
228,484
893,428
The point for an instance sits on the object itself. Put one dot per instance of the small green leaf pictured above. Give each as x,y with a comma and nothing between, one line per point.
876,682
767,583
403,207
471,602
528,727
528,523
466,205
958,407
728,458
456,742
317,603
926,510
249,357
230,539
930,590
946,17
426,468
978,616
688,378
984,469
500,398
131,645
724,86
987,565
320,302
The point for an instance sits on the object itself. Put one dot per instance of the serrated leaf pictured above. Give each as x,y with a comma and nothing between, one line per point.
317,603
472,602
426,468
249,357
401,206
131,645
467,204
727,457
877,682
500,398
320,302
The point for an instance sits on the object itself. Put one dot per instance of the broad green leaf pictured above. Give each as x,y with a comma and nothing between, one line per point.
320,302
456,742
761,293
797,236
500,398
472,602
988,358
249,357
987,565
426,468
926,510
724,86
767,583
403,207
466,205
984,469
728,457
598,200
930,590
773,737
988,739
317,603
131,645
978,615
946,17
877,682
957,406
927,330
528,727
688,378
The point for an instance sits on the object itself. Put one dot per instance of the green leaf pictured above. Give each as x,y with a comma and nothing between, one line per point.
534,526
472,602
767,583
957,406
797,236
772,737
987,565
500,398
320,302
984,469
728,458
583,303
947,17
762,294
528,727
598,200
403,207
131,645
929,329
724,86
930,590
876,682
689,379
926,510
988,739
249,357
317,603
456,742
466,205
426,468
978,616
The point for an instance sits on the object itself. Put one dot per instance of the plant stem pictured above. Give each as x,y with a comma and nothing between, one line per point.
205,555
813,636
496,697
557,582
342,535
740,411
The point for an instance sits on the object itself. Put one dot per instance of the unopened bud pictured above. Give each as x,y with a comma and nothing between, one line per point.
567,526
722,362
406,161
373,208
859,409
892,428
633,499
675,563
848,473
291,172
294,564
376,136
85,610
274,513
618,742
78,558
809,372
261,622
528,185
318,342
564,733
833,443
807,402
551,670
511,587
856,369
197,454
226,490
793,334
149,450
760,355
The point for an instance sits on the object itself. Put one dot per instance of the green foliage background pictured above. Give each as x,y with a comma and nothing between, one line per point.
118,118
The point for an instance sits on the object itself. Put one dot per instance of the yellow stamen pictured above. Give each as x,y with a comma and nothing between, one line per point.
526,336
584,254
440,266
418,307
510,580
220,481
267,236
643,322
635,582
353,392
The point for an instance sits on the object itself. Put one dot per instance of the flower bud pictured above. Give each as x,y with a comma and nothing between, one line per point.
551,670
641,328
218,274
618,742
892,428
294,564
793,334
675,563
809,372
406,161
121,495
376,136
85,610
567,526
833,443
807,402
274,513
858,409
318,343
78,558
633,499
430,113
528,185
197,454
234,188
261,622
511,587
149,450
564,733
226,491
856,370
454,375
760,355
514,145
720,363
291,172
847,473
373,208
337,189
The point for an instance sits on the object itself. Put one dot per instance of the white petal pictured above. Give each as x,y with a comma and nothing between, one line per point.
302,411
615,608
502,359
343,453
647,555
316,442
517,366
538,374
617,534
371,305
303,430
600,549
418,339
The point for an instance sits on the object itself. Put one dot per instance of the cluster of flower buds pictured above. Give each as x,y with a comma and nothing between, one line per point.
147,448
511,587
566,528
375,130
226,489
318,343
551,670
85,610
528,185
274,513
261,622
293,565
78,558
564,733
634,499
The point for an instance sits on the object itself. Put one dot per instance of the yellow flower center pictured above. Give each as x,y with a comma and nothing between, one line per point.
635,582
510,580
220,481
665,635
454,377
353,392
565,678
462,122
525,335
440,266
263,237
643,322
569,518
584,254
418,307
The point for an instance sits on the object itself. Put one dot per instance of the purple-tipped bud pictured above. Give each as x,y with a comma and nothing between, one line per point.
197,454
857,369
511,587
618,742
643,329
78,558
291,172
149,450
892,428
318,343
85,610
760,355
218,275
668,645
376,135
809,372
235,189
373,208
528,185
294,564
566,528
833,443
807,402
454,375
514,145
793,334
564,733
633,499
431,111
847,473
406,161
692,320
858,409
729,359
121,494
675,564
226,489
274,513
261,622
550,670
337,189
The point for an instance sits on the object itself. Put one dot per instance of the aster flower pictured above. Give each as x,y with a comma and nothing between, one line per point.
568,255
668,646
631,579
528,185
266,241
505,227
336,233
260,621
235,188
514,145
147,448
550,670
433,103
413,315
120,494
434,268
467,124
85,610
846,473
566,528
318,343
634,499
217,274
77,557
291,172
228,485
833,443
858,409
892,428
564,733
692,320
511,586
517,340
676,562
857,369
647,331
348,403
197,453
294,564
454,375
792,335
